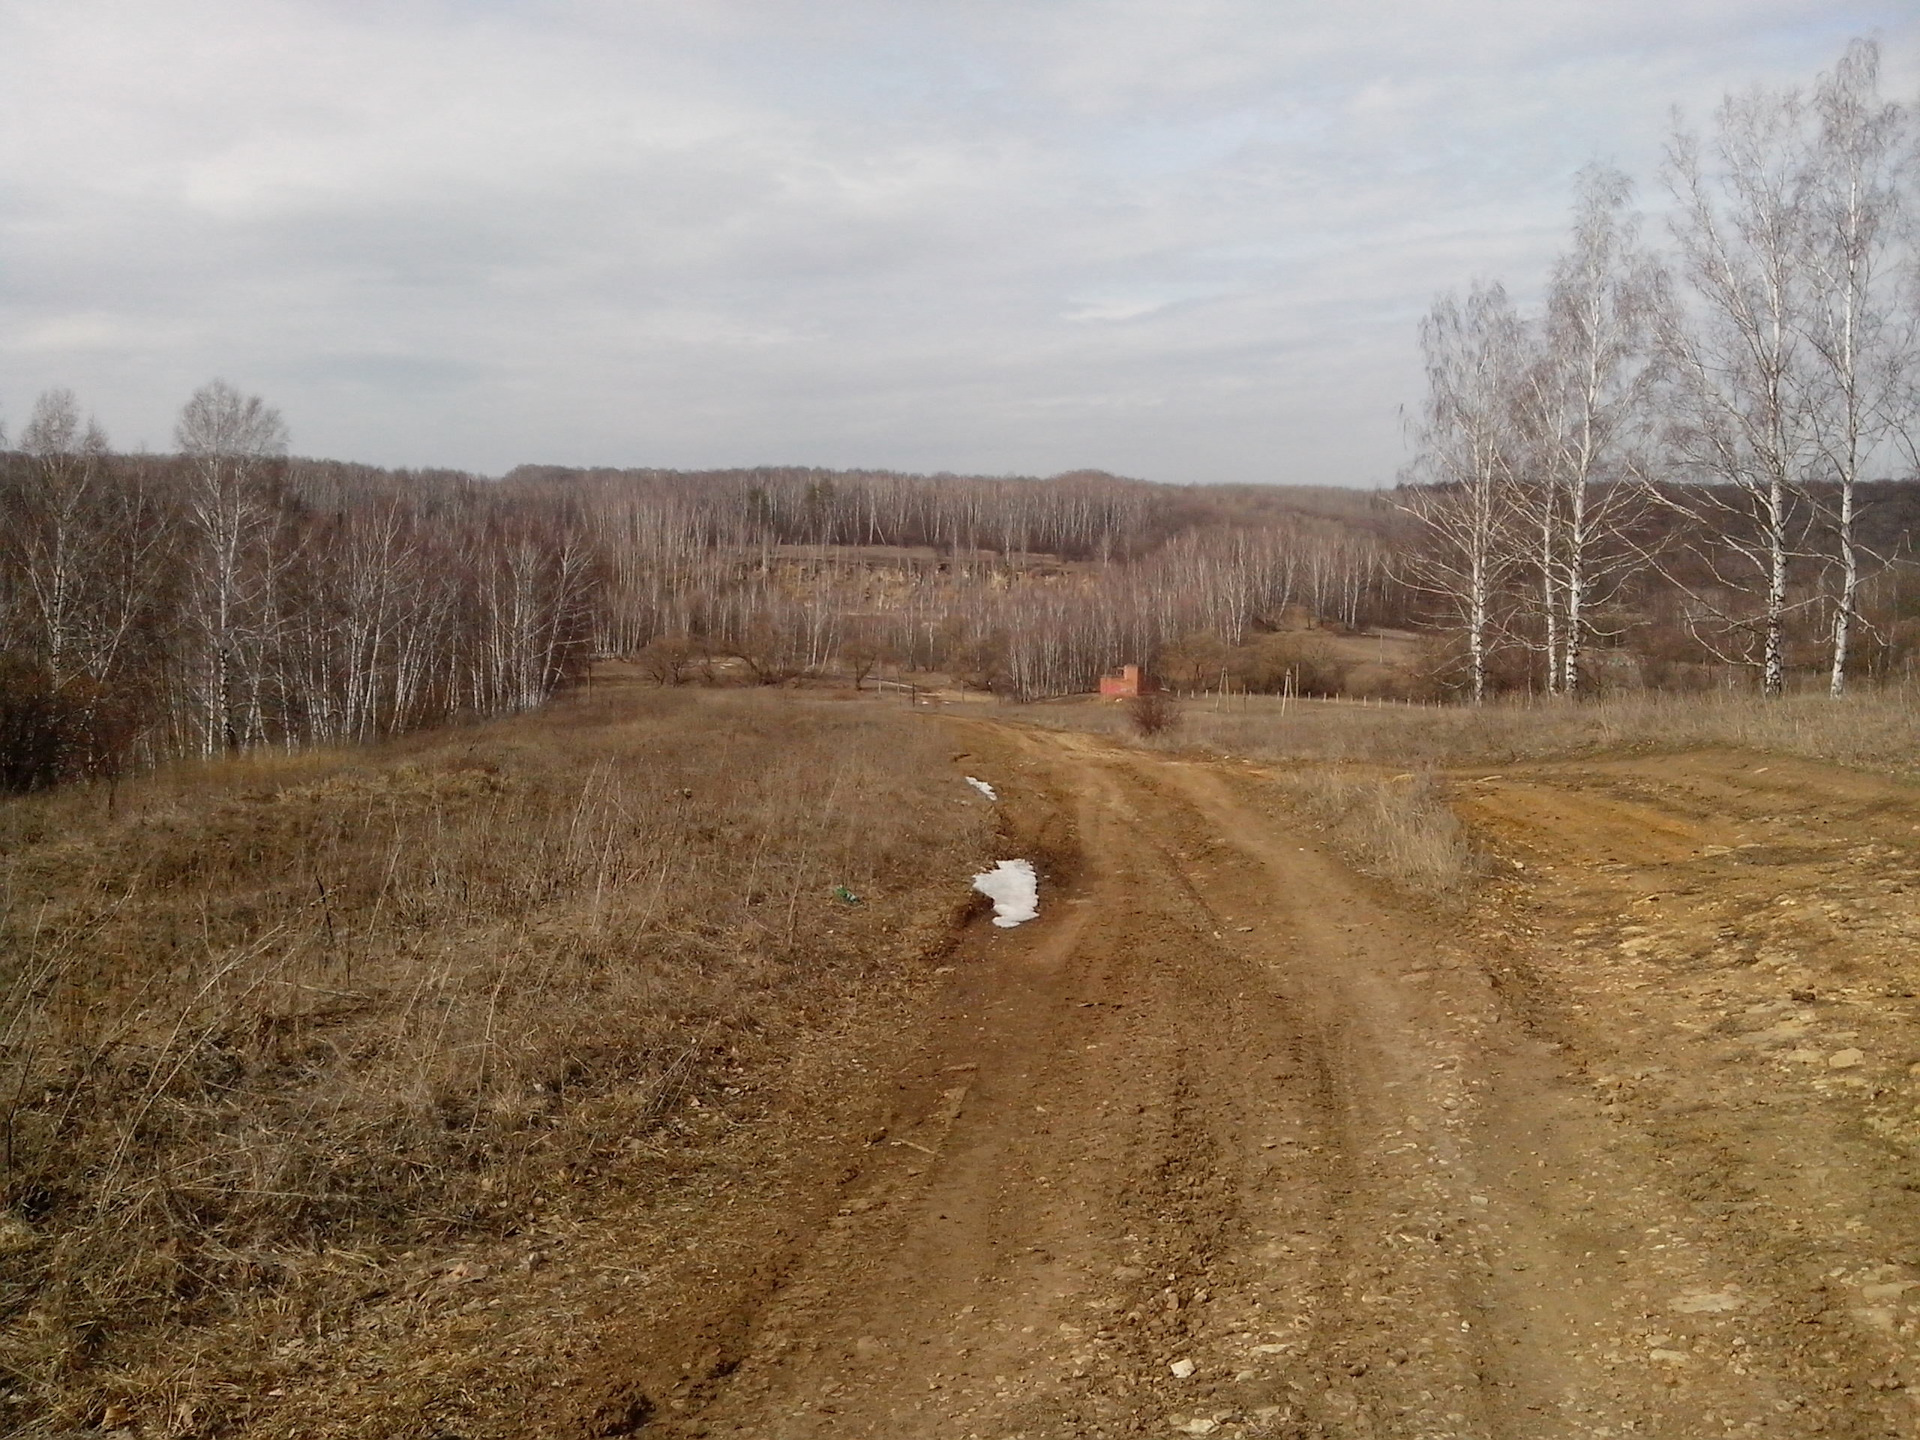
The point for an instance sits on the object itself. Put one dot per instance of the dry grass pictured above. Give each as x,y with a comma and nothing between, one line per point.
1397,828
1877,729
275,1022
1335,755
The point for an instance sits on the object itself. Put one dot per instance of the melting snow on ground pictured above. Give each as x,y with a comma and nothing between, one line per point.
982,786
1014,890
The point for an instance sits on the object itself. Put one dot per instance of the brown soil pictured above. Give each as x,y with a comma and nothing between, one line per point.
1233,1141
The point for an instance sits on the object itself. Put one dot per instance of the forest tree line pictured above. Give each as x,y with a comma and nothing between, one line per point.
227,596
222,598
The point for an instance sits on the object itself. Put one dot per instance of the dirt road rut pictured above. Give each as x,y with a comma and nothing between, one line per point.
1231,1143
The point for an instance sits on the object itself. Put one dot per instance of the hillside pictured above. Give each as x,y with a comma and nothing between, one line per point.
645,1066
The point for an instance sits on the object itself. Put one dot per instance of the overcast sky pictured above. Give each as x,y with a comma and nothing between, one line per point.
1187,240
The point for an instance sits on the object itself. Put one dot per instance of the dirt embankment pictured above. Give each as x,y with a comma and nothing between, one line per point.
1234,1142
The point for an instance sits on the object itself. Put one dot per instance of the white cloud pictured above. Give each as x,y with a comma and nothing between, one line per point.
1188,241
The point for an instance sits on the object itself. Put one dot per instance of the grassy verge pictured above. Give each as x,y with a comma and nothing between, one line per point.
1876,729
1367,773
275,1023
1398,828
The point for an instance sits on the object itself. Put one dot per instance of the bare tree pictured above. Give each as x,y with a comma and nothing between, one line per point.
1587,399
534,587
1464,510
228,440
1739,358
1859,320
864,649
55,530
82,536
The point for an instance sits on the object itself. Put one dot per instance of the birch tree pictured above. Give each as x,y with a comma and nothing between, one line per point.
54,533
228,440
1587,396
1463,511
83,537
1739,358
1858,324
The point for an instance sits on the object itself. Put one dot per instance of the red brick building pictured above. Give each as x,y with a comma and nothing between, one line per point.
1131,681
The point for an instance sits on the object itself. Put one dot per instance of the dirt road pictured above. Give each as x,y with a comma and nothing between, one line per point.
1233,1142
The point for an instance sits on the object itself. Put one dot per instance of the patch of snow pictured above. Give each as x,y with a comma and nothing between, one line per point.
1014,890
982,786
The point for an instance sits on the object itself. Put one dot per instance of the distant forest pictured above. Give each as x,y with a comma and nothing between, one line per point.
227,596
1692,467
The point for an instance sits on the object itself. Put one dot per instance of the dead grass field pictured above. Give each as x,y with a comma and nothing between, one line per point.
1872,729
1373,774
534,1079
277,1026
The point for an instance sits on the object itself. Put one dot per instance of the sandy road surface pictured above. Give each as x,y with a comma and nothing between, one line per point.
1233,1143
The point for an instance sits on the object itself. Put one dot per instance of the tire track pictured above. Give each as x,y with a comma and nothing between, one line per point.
1240,1146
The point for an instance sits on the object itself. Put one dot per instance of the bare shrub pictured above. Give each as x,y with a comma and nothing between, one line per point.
668,659
1297,663
1153,714
53,733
